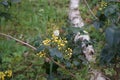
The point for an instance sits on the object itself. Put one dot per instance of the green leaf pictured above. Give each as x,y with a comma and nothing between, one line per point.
54,52
5,3
41,48
77,50
107,55
110,10
112,35
76,63
96,24
68,64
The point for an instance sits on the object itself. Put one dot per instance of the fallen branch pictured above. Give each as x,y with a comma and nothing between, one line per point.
32,47
63,67
24,43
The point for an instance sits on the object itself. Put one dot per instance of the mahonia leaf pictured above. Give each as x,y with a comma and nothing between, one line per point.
76,63
54,52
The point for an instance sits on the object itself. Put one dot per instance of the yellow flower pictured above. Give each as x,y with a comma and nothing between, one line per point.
41,54
70,50
103,5
68,53
55,38
47,42
65,41
2,76
59,41
62,45
8,73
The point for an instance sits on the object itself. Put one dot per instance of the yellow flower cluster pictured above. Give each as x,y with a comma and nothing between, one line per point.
47,42
69,53
103,5
56,41
60,42
7,73
41,54
55,38
2,76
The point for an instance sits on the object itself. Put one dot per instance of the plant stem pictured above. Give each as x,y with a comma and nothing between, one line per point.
90,9
51,67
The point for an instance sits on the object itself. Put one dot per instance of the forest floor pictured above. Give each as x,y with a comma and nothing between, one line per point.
30,20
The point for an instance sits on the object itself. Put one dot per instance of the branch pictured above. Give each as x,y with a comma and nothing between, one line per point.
24,43
32,47
63,67
90,9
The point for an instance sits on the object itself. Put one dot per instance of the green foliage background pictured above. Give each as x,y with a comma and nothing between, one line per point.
33,21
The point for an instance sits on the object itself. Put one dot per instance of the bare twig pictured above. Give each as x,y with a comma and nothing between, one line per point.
63,67
24,43
32,47
90,9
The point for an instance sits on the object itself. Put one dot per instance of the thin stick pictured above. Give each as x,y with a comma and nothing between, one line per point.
27,44
63,67
90,9
24,43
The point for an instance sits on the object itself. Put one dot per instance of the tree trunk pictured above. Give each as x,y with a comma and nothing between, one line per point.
77,21
74,14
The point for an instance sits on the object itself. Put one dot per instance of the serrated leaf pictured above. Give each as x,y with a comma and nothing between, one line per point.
68,64
41,48
54,52
5,3
110,10
97,24
110,56
59,55
112,35
76,63
107,55
37,44
77,50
